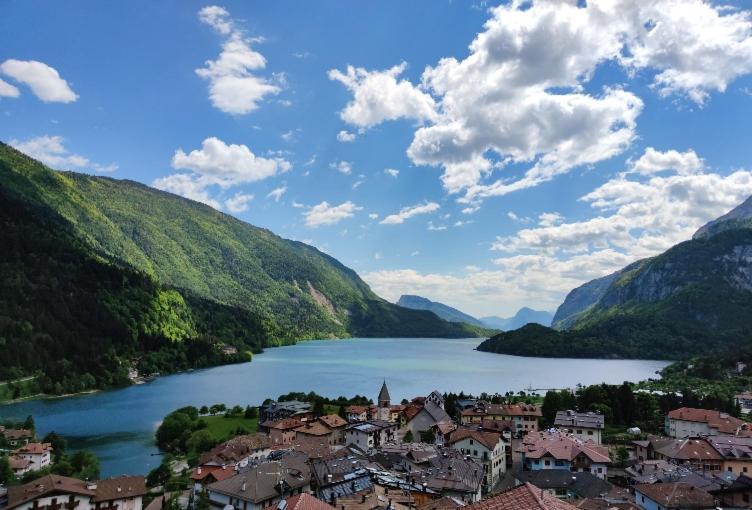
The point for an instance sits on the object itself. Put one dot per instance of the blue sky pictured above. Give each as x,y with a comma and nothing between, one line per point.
536,146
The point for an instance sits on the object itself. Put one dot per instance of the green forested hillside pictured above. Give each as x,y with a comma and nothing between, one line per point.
99,271
694,299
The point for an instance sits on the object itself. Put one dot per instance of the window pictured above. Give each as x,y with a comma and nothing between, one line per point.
548,462
744,469
579,431
589,432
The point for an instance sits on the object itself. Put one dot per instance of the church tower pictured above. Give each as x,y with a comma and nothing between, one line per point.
384,404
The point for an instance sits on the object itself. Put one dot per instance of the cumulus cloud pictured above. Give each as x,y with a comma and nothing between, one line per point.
344,167
217,164
44,81
277,193
391,171
519,96
345,136
233,86
381,95
238,202
408,212
8,90
326,214
51,151
653,161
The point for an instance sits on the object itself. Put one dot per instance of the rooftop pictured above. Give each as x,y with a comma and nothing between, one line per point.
723,422
676,495
561,446
524,497
575,419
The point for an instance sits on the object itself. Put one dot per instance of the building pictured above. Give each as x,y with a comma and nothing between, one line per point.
281,432
571,486
54,492
436,398
555,450
425,418
486,448
370,434
301,502
735,452
691,422
524,417
672,496
16,437
39,455
337,426
585,426
694,453
524,497
274,411
356,413
264,485
738,494
744,401
383,406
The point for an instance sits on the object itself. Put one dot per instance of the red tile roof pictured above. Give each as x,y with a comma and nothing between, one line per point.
315,428
333,421
487,439
283,424
503,410
50,484
560,446
524,497
723,422
676,495
34,449
304,502
121,487
218,473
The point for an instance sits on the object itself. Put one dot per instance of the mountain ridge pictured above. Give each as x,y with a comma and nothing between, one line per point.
445,312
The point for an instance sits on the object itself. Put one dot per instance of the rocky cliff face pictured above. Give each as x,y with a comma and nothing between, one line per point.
739,217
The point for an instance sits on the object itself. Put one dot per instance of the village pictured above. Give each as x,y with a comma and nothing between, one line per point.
424,454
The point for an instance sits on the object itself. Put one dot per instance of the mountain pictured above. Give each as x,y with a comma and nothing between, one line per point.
694,299
97,274
444,311
523,316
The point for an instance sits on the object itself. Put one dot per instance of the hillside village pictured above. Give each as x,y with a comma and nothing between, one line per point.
420,454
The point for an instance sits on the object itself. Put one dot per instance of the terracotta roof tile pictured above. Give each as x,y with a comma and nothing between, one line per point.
676,495
120,487
723,422
333,421
20,494
487,439
524,497
304,502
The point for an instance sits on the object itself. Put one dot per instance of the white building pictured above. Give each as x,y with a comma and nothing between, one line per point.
39,455
692,422
486,448
370,434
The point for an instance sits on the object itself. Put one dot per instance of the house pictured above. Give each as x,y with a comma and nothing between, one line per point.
425,418
661,471
586,426
524,417
735,452
691,422
225,459
274,411
301,502
61,492
744,401
436,398
281,432
570,486
486,448
555,450
524,497
450,474
205,475
16,437
356,413
738,494
264,485
337,426
39,455
370,434
672,496
442,431
340,475
315,429
695,453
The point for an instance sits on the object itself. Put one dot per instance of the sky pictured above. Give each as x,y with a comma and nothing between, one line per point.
486,155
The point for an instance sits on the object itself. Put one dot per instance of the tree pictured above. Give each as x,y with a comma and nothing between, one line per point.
85,465
342,413
251,413
318,407
6,473
236,411
29,423
203,501
203,410
409,437
58,445
174,431
159,475
200,441
428,436
622,455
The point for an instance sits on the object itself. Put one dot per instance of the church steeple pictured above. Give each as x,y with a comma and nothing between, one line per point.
384,398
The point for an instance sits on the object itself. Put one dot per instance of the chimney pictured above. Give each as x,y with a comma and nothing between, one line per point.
198,470
242,487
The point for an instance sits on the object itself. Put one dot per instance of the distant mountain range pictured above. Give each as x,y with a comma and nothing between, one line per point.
694,299
523,316
96,272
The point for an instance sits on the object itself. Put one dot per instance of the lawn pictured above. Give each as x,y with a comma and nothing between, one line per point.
25,387
222,428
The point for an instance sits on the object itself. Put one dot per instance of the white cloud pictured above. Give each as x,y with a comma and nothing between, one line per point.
45,82
358,183
378,256
344,167
326,214
391,171
345,136
233,88
514,217
277,193
435,228
408,212
217,164
51,151
519,96
380,96
653,161
550,219
238,202
373,216
228,164
8,90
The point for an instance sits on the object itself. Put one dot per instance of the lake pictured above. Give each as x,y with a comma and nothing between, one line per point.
118,426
